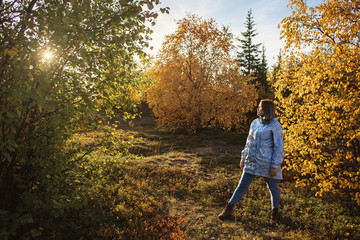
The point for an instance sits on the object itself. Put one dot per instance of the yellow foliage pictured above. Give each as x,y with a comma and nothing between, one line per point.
11,52
318,93
197,82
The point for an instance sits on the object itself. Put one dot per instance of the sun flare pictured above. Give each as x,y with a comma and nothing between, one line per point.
48,55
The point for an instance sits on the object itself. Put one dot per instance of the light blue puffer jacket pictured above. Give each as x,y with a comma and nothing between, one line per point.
264,148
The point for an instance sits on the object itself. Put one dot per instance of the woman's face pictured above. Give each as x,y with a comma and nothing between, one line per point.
260,111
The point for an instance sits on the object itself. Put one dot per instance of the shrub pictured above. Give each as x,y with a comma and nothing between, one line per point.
318,95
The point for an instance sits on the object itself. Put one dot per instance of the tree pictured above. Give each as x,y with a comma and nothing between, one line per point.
57,61
262,68
318,93
197,79
249,58
252,60
261,76
273,76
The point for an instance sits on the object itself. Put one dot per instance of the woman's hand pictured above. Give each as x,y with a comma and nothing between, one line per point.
273,172
242,162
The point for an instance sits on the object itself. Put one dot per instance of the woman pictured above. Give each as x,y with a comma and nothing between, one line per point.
262,156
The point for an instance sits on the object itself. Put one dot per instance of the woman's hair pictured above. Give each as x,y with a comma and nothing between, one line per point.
268,107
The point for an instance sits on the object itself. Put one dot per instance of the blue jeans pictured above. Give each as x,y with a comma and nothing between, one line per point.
244,183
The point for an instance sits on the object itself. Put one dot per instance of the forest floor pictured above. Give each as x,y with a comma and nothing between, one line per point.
204,171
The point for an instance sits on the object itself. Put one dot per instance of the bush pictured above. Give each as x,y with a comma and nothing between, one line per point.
44,102
318,95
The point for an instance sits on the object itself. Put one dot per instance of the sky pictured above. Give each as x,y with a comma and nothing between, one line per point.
267,14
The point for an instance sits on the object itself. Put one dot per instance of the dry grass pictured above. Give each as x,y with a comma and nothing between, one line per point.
195,176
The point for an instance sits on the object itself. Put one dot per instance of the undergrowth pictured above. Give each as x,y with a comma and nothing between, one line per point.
146,196
173,186
120,202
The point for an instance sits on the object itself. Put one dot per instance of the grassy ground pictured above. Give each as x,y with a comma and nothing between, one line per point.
195,175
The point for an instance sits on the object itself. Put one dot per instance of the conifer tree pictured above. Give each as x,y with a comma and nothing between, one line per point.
252,60
261,71
276,66
248,57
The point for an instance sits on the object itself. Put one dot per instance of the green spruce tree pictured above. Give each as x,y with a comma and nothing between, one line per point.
248,57
252,60
261,71
261,74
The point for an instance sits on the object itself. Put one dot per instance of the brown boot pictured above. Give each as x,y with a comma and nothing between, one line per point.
274,216
227,212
